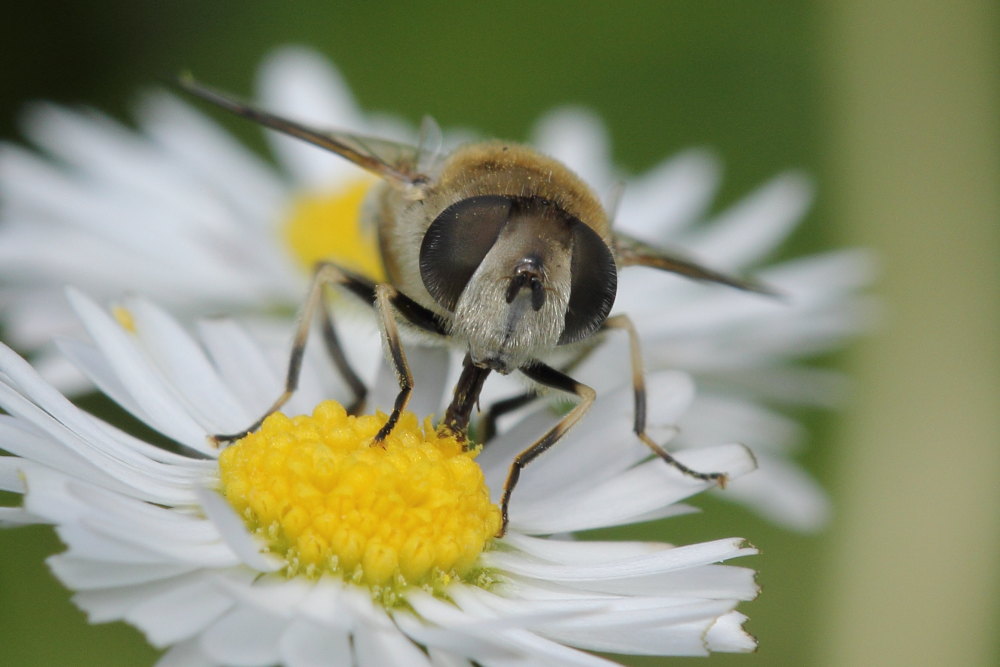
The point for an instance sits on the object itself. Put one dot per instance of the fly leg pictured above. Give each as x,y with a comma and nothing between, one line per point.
549,377
333,347
380,297
390,335
639,391
488,423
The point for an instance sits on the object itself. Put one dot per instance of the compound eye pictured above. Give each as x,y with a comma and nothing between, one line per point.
593,287
457,242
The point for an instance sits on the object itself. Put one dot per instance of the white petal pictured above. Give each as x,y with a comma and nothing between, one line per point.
674,639
306,644
181,612
544,651
15,516
162,408
57,369
599,448
93,453
654,627
797,385
579,552
755,226
233,531
244,636
87,573
104,436
301,84
100,523
441,658
22,439
94,143
443,625
11,477
625,497
719,582
212,155
85,543
577,138
242,365
110,604
184,365
272,594
364,612
50,494
536,649
666,560
430,366
376,646
669,197
719,418
92,365
185,654
325,603
102,505
825,275
783,493
37,403
475,633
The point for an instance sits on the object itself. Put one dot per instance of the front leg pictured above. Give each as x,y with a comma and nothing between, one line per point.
549,377
390,336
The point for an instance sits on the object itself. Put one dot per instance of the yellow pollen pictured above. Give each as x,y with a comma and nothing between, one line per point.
328,226
124,317
414,511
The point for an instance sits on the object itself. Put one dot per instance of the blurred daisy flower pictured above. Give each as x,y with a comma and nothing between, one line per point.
179,211
197,222
304,545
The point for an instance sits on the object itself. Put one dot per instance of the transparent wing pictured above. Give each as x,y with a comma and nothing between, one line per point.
429,147
633,252
397,163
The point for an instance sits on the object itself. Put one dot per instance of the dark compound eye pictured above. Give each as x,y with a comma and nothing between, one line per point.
456,243
594,284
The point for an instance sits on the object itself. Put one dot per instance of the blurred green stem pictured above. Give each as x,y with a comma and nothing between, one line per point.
913,106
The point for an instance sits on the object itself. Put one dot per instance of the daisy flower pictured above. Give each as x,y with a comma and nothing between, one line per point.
203,226
303,544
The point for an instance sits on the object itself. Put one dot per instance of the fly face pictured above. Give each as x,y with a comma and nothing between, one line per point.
509,269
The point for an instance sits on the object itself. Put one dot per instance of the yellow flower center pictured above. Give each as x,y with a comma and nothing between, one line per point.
327,226
414,511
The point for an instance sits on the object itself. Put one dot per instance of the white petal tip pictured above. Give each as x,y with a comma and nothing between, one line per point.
727,635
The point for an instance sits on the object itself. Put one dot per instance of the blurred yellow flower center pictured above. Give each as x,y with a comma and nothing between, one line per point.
414,512
124,318
327,226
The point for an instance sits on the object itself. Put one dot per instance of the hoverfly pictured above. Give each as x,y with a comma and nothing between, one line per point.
495,248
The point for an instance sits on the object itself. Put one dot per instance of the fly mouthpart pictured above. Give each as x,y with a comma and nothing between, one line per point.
528,275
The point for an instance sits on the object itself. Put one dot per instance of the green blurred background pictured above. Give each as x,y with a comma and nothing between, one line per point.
892,106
